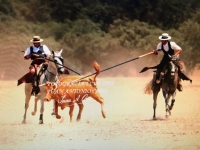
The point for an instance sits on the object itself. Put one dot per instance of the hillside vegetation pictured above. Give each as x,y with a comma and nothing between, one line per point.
108,31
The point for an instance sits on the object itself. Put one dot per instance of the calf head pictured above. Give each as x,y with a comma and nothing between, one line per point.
50,88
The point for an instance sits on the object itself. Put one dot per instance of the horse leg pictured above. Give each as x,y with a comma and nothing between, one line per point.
35,105
172,104
71,109
41,111
81,106
167,97
99,99
173,101
28,89
154,104
41,96
155,89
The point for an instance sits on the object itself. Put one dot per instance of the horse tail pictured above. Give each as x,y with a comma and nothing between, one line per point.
148,88
97,68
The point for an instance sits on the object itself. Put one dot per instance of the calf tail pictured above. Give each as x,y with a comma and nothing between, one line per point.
97,68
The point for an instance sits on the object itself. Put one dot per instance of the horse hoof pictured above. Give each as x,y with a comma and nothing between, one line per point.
41,122
23,122
154,118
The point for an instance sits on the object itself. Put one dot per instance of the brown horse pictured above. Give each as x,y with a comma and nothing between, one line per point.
169,80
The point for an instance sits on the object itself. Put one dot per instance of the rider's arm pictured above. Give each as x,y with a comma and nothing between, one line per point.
27,57
158,48
46,51
175,47
47,56
155,52
178,52
27,54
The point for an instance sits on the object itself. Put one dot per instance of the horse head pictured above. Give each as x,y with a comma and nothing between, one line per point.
172,67
58,61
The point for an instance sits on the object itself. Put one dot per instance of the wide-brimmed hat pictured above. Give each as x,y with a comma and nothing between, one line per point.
36,39
164,36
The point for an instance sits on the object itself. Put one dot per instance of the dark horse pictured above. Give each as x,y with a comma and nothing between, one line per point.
169,80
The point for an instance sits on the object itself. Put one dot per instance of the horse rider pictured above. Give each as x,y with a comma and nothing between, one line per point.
37,53
169,49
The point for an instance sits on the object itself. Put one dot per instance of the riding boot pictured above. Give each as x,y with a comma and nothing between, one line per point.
159,76
36,80
179,86
158,80
35,84
35,89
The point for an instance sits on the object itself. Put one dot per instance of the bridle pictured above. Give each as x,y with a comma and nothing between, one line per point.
55,66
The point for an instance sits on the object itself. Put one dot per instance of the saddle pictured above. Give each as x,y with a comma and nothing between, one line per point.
36,79
33,78
181,74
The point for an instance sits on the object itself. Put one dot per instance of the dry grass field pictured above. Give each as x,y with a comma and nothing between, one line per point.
128,125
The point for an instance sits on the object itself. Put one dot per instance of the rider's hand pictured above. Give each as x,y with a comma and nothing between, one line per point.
174,57
48,56
43,55
155,52
35,55
27,57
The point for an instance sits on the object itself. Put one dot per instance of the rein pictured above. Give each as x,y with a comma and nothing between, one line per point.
51,72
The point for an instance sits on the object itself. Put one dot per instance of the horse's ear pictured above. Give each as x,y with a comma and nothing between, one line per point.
60,52
53,53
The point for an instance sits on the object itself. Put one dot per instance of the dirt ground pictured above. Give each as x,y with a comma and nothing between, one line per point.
128,125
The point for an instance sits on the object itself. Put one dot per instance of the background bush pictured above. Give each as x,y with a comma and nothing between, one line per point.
108,31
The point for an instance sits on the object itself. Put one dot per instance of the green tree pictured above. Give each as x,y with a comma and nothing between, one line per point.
190,32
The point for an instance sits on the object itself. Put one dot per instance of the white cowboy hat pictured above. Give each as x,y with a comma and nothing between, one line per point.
164,36
36,39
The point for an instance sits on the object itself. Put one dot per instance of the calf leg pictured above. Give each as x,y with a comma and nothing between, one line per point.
56,110
53,111
99,99
71,109
81,106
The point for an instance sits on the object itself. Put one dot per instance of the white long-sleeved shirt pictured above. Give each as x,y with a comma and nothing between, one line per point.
36,49
174,46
